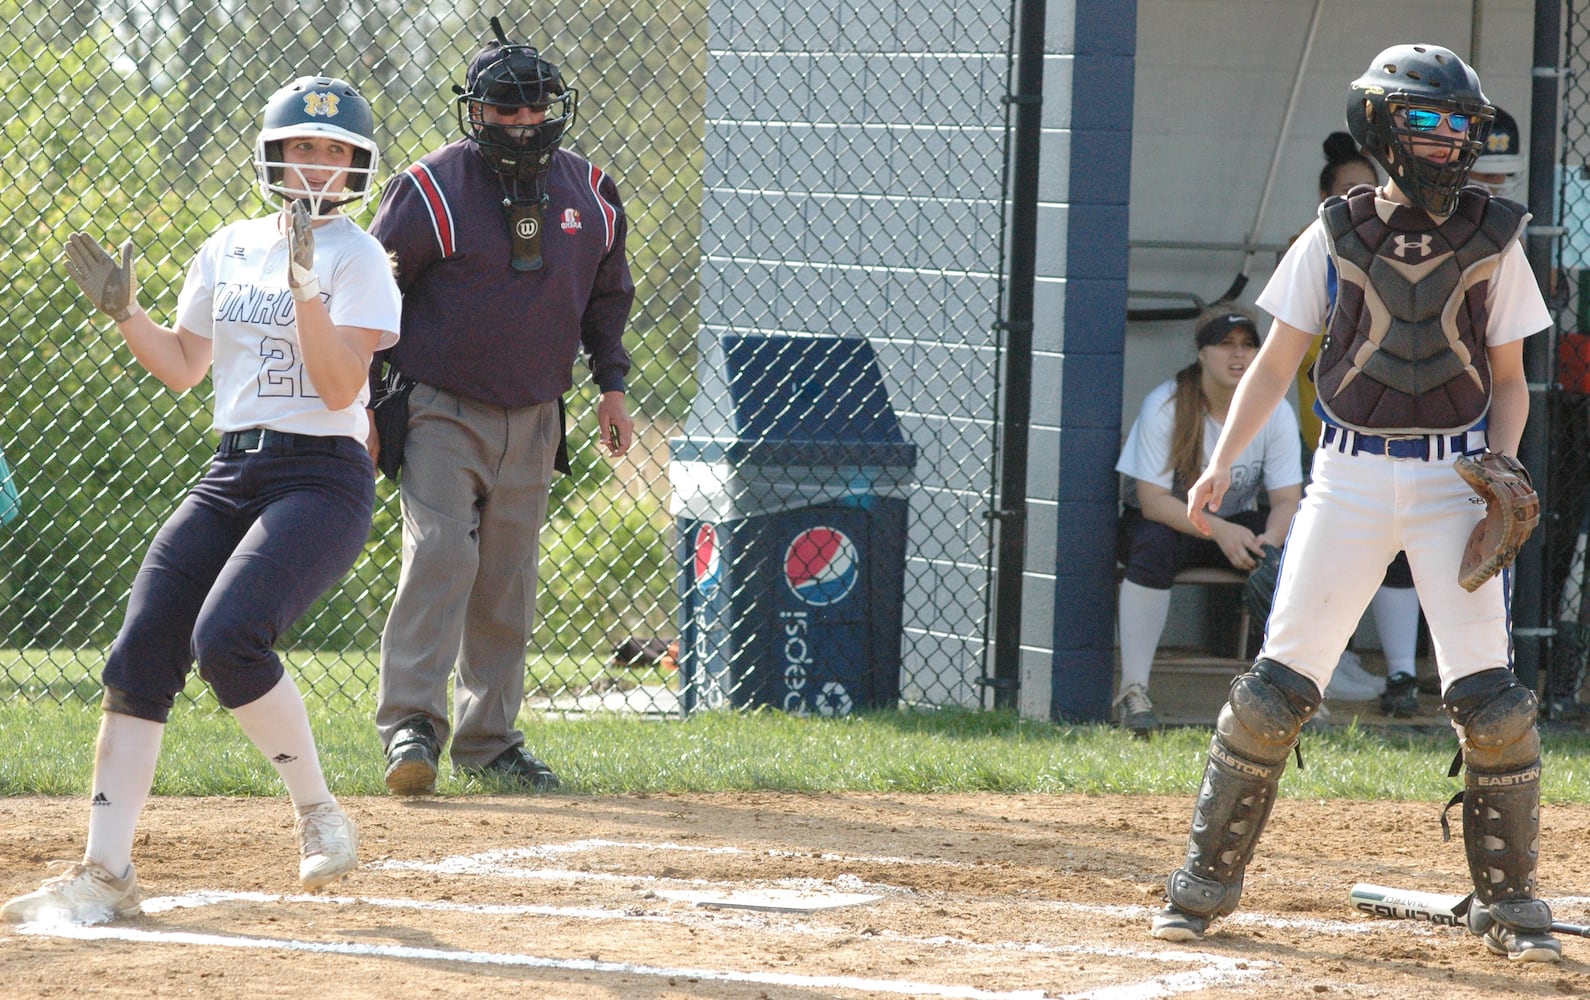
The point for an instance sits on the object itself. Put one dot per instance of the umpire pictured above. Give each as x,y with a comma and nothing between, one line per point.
510,253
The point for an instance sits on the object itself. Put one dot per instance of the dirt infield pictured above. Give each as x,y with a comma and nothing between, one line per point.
999,896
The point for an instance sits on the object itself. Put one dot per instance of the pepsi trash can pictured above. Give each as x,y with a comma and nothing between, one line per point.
790,498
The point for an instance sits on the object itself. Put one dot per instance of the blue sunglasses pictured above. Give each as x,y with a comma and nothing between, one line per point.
1422,120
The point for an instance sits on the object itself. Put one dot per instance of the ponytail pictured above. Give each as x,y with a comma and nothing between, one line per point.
1186,462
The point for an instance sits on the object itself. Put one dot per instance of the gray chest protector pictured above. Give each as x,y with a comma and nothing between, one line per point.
1404,347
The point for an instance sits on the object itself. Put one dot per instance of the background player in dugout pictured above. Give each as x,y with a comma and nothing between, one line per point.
510,252
1168,446
1431,243
284,510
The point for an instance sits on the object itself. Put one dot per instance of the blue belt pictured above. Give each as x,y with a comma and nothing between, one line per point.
261,438
1423,447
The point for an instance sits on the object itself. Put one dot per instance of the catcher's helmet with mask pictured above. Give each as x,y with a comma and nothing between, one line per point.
1435,86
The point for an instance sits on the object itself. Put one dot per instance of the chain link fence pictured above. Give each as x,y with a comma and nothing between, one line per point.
135,120
1568,496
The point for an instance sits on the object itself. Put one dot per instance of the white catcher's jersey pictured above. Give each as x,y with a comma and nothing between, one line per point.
236,295
1272,461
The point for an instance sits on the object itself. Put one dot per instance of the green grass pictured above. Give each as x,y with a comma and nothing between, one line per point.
49,751
65,674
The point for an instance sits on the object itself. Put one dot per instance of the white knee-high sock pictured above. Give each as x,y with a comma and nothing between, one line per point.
1142,615
278,724
1396,612
124,770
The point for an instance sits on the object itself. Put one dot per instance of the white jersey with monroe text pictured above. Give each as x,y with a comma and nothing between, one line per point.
236,295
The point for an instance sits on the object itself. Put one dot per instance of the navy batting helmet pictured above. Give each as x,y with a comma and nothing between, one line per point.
1501,162
316,106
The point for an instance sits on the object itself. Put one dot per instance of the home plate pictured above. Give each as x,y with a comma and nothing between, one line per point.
772,900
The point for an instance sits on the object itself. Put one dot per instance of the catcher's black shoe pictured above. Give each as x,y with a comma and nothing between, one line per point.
411,758
1401,698
518,767
1523,946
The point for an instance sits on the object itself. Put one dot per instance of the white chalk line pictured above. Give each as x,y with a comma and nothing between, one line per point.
898,987
1213,969
1123,913
693,915
497,864
1216,970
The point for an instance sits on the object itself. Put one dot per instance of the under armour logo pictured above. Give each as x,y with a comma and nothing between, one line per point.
1404,244
320,104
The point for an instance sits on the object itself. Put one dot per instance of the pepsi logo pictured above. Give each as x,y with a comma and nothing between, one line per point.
820,566
709,559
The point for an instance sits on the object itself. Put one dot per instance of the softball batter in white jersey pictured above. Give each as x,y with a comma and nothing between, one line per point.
236,295
284,313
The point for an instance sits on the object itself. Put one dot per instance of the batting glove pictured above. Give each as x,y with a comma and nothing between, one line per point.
112,287
301,277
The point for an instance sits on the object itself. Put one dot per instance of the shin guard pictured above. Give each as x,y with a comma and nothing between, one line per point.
1253,737
1495,718
1501,840
1233,805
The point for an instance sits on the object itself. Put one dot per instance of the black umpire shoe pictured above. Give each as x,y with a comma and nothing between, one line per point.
516,766
411,758
1401,699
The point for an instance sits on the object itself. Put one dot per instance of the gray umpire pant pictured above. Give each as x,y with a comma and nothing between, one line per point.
474,495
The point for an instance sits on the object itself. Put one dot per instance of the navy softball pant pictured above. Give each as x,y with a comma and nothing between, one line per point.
1154,553
246,553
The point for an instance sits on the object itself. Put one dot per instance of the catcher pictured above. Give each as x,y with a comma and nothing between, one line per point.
1425,298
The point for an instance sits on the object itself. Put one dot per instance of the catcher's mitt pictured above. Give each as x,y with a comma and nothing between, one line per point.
1512,509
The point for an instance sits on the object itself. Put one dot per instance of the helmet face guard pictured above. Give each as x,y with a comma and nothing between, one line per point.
511,76
1407,78
316,106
